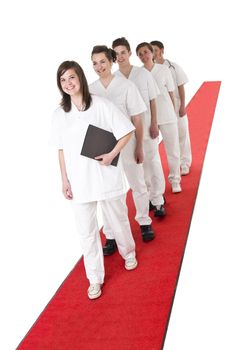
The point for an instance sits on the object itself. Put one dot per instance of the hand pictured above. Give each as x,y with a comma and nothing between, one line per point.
139,155
182,112
154,131
105,159
66,189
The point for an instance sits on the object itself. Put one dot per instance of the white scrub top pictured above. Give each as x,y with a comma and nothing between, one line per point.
164,80
179,78
145,83
125,95
90,181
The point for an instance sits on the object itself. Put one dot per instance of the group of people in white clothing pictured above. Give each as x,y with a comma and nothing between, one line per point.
135,104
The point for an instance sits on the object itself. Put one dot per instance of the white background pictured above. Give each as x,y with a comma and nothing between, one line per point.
39,244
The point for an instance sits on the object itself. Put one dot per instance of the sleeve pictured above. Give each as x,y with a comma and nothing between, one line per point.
93,88
134,102
181,76
169,80
56,139
120,124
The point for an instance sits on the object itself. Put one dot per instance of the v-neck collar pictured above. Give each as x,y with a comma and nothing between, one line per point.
108,86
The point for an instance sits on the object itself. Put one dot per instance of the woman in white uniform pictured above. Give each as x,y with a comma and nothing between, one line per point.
180,79
167,119
143,79
125,95
88,181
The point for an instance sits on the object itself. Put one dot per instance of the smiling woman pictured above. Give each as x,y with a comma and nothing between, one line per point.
125,95
87,181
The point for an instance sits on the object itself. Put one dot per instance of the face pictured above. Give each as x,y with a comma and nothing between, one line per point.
101,64
70,82
145,55
123,55
158,53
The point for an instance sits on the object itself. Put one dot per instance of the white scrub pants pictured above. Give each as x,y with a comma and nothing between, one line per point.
184,141
90,242
170,136
153,171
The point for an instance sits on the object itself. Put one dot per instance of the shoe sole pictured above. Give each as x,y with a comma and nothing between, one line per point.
131,267
159,215
95,296
148,238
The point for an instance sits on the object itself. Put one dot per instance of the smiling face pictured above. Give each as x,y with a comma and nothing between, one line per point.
123,55
70,83
158,53
145,55
101,65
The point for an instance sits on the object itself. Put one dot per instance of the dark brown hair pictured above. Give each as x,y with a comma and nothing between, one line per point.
66,100
109,53
149,46
121,42
157,43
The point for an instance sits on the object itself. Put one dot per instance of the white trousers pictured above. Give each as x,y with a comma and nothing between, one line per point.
184,141
136,179
170,136
153,172
90,242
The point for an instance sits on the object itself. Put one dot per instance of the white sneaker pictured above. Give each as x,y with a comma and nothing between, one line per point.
94,291
184,170
131,263
176,188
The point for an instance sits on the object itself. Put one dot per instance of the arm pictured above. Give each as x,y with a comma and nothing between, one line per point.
182,110
171,94
139,155
154,130
107,158
66,188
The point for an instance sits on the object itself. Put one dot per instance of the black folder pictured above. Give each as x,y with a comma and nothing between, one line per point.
98,141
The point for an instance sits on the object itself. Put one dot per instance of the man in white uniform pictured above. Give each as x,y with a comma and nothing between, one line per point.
125,95
88,181
180,79
154,175
167,119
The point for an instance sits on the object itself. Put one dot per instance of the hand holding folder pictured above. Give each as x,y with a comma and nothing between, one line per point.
97,142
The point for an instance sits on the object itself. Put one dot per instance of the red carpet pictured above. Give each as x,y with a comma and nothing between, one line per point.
134,309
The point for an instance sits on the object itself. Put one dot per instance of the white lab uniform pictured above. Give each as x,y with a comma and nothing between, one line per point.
154,175
92,182
180,78
125,95
167,120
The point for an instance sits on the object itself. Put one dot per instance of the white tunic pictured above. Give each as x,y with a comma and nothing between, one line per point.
125,95
90,181
179,78
145,83
164,80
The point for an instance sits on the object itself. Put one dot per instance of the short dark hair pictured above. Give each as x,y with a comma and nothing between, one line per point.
66,100
149,46
109,53
157,43
121,42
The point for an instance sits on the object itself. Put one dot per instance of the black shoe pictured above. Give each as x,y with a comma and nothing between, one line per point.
147,233
151,206
110,247
160,211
